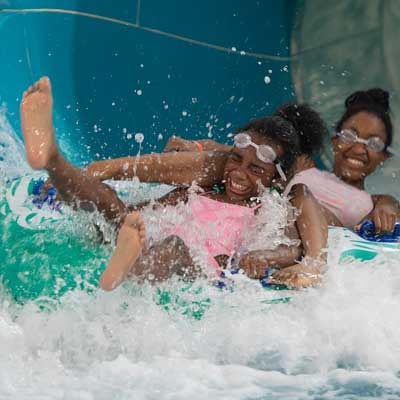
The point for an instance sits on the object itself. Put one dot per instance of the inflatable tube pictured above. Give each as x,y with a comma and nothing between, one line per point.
47,255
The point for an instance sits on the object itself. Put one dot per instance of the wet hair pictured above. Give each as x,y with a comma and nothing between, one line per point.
374,101
281,132
310,127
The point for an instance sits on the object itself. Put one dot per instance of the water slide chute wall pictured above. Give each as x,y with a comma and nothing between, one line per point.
341,46
195,69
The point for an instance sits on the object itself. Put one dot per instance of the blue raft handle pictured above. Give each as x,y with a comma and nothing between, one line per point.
367,232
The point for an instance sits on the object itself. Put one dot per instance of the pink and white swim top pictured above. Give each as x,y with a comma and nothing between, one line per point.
214,227
349,204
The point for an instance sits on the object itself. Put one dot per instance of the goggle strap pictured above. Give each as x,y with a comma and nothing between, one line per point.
280,172
390,150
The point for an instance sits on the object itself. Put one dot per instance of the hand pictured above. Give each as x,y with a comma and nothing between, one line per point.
253,265
176,143
46,186
306,273
384,216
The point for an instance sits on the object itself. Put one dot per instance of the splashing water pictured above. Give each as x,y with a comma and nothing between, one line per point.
178,341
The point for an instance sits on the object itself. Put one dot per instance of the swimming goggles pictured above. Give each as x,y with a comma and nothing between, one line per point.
373,143
264,152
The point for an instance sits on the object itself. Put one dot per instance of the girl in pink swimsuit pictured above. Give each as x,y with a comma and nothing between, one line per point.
263,150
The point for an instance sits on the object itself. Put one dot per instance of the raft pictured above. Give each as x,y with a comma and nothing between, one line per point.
60,254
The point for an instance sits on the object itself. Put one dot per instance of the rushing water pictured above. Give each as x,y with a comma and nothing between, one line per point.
339,340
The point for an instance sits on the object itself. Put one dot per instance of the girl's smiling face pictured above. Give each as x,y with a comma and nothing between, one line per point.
244,171
355,161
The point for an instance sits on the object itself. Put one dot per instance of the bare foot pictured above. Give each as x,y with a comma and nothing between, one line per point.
37,124
130,242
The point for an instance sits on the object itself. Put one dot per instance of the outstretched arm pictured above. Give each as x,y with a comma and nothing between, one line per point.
176,143
206,168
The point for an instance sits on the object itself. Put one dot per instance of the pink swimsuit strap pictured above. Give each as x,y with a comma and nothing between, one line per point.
349,204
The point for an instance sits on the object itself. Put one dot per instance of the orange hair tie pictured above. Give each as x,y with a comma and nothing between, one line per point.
199,145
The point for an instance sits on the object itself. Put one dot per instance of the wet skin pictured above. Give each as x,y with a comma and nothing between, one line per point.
244,171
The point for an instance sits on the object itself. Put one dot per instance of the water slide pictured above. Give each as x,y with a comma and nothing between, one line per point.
155,67
198,69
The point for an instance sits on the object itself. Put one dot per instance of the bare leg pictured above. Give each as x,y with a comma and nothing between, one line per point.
163,260
42,153
130,241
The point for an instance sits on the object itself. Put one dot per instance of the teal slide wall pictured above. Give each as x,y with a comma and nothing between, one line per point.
341,46
159,67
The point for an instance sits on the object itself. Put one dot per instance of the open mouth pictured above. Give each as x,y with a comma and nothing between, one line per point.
237,188
355,163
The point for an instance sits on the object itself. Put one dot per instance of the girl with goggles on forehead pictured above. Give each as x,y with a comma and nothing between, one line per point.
264,149
302,129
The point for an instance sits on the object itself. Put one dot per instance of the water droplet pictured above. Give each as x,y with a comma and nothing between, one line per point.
139,137
267,80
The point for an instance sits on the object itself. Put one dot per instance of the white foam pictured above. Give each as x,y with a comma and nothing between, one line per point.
336,341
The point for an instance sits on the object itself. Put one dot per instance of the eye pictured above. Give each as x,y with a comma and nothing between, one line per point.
235,157
255,169
376,144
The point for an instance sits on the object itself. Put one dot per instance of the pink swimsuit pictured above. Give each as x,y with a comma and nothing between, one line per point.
215,227
349,204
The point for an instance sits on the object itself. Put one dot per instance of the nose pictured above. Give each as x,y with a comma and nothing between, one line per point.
359,148
240,172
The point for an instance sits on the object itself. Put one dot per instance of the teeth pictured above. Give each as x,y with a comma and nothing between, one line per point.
238,187
355,162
